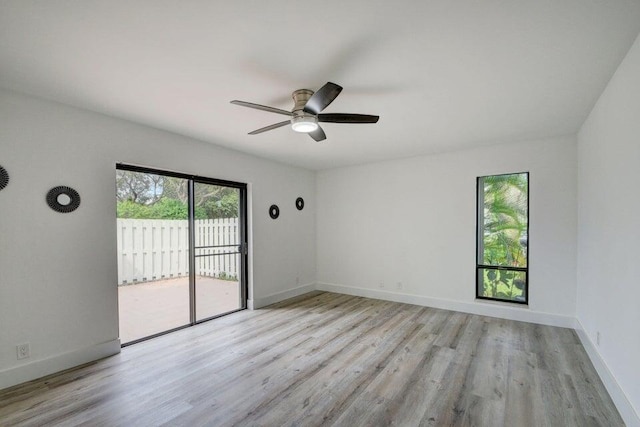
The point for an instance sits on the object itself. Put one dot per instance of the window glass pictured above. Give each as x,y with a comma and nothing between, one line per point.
503,237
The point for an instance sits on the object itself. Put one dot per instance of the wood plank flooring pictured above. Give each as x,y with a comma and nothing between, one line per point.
330,359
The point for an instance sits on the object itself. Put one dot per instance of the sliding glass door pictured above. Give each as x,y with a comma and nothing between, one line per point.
218,250
181,250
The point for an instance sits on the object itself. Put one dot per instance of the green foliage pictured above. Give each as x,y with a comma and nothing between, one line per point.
149,196
223,275
226,206
504,234
169,209
505,220
143,188
162,209
217,201
503,284
130,209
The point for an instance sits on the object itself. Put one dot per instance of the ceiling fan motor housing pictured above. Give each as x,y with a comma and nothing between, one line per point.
300,97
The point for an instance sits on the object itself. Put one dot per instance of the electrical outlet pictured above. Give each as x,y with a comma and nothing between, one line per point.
381,284
399,286
23,351
598,338
297,280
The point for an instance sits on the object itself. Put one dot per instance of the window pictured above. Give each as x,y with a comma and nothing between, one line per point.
502,237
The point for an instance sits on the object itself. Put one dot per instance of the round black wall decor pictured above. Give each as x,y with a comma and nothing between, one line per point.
4,178
274,211
300,203
54,202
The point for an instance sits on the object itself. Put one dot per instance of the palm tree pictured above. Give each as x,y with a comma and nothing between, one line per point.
503,232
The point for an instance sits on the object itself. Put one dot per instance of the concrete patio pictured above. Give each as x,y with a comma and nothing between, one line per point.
150,307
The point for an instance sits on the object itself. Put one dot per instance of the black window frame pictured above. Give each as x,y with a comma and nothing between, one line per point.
479,265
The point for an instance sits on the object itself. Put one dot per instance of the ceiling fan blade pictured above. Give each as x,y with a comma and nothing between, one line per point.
318,134
262,107
322,98
347,118
270,127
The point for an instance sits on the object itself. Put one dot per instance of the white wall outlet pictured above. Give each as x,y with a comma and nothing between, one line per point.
381,285
23,351
399,286
598,338
297,280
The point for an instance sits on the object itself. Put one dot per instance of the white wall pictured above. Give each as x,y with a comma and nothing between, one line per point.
58,272
609,232
413,221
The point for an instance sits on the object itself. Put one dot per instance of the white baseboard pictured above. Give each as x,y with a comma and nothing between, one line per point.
628,413
280,296
482,308
40,368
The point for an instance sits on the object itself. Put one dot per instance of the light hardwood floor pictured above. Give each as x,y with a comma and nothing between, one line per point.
330,359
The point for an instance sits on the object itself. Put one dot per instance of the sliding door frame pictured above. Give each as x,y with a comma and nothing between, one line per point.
244,250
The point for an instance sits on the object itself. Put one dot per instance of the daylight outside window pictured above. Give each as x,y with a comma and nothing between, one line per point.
503,237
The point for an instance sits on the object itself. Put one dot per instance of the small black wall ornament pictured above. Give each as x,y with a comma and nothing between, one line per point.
4,178
55,204
300,203
274,211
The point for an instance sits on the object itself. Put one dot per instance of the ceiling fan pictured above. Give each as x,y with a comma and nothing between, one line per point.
306,115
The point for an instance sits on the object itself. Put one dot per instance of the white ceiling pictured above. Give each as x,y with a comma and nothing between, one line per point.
443,75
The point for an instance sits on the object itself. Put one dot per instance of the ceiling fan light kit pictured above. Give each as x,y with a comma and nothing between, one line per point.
304,124
305,115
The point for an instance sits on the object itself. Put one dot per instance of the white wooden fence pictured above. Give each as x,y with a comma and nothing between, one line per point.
153,249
